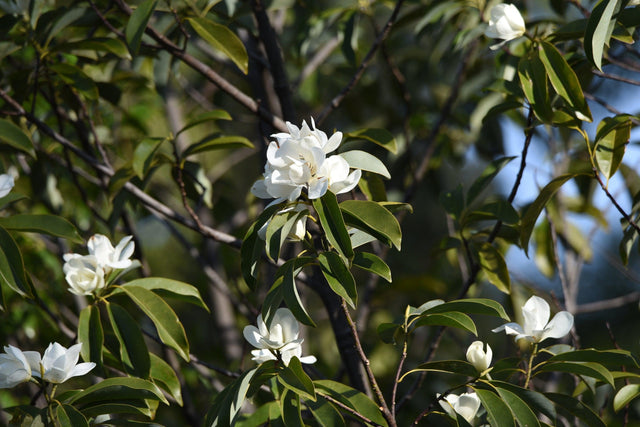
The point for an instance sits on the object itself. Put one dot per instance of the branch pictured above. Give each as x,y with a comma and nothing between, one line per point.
616,78
346,408
625,215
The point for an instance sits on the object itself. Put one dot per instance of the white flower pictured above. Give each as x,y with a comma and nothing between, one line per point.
478,357
466,405
505,22
107,255
280,338
298,230
6,184
15,366
298,161
58,364
537,326
83,274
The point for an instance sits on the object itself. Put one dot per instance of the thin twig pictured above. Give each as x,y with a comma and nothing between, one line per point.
616,78
346,408
624,214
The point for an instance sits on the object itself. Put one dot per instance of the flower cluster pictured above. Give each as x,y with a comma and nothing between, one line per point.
55,366
279,340
298,161
6,184
87,274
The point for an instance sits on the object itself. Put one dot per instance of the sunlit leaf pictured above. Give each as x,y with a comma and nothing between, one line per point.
221,38
373,219
495,267
382,137
362,160
12,135
599,29
52,225
138,23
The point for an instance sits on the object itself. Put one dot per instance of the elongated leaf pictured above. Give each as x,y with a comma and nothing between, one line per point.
117,388
576,408
133,350
611,141
483,181
493,264
279,229
216,142
498,412
382,137
564,80
604,357
362,160
170,330
227,403
533,80
470,306
205,118
338,277
252,247
77,79
521,411
457,367
295,379
128,406
97,44
333,224
625,395
68,416
143,155
373,263
452,319
12,272
599,29
12,135
137,24
373,219
532,213
351,398
536,401
325,413
291,296
91,335
172,288
223,39
589,369
46,224
162,373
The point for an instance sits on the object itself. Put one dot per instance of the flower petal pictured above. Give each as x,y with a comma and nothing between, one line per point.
536,314
559,326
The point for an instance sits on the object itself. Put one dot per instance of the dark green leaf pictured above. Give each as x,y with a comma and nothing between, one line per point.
351,398
163,373
205,118
223,39
599,29
452,319
338,277
611,140
91,335
533,80
216,142
252,247
333,224
325,414
457,367
471,306
589,369
388,332
137,24
373,263
290,409
97,44
228,403
12,272
500,210
453,202
604,357
68,416
133,350
521,411
362,160
576,408
77,79
117,388
290,294
486,177
498,412
144,154
173,288
536,401
493,264
295,379
12,135
46,224
382,137
373,219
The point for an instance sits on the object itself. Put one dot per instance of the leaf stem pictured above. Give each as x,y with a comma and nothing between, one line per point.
534,352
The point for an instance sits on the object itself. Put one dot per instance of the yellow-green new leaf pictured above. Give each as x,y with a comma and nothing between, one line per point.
611,140
223,39
493,264
600,26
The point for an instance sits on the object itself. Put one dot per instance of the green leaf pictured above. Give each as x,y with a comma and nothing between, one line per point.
498,413
295,379
91,335
205,118
137,24
172,288
117,388
45,224
338,277
279,229
564,80
470,306
362,160
68,416
252,247
162,373
129,406
144,154
625,395
500,210
228,403
599,29
493,264
536,401
351,398
483,181
372,263
533,80
77,79
12,135
97,44
453,202
223,39
333,224
576,408
217,142
589,369
611,140
457,367
382,137
452,319
133,350
522,412
532,213
170,330
611,357
290,295
374,219
12,272
325,414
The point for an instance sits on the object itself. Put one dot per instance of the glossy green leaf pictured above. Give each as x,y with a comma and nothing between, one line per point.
452,319
589,369
221,38
494,266
10,198
131,406
12,135
267,414
532,213
68,416
333,224
498,412
576,408
486,177
611,357
77,79
470,306
169,287
625,395
91,335
564,80
12,272
228,402
533,80
96,44
45,224
133,350
217,142
338,277
162,373
290,295
362,160
351,398
325,413
599,29
291,410
117,388
372,263
295,379
611,140
382,137
138,23
521,411
279,230
373,219
170,330
534,400
144,154
252,247
207,117
457,367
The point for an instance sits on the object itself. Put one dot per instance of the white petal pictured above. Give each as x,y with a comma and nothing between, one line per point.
81,369
252,334
333,143
536,314
317,188
290,328
559,326
308,359
510,328
348,184
467,406
6,184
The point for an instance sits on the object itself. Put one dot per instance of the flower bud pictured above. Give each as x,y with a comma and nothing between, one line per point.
505,22
478,357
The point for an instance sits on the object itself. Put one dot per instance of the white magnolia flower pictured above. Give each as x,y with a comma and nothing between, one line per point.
298,161
537,326
280,338
466,405
83,274
107,255
478,357
6,184
58,364
299,229
505,22
15,366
